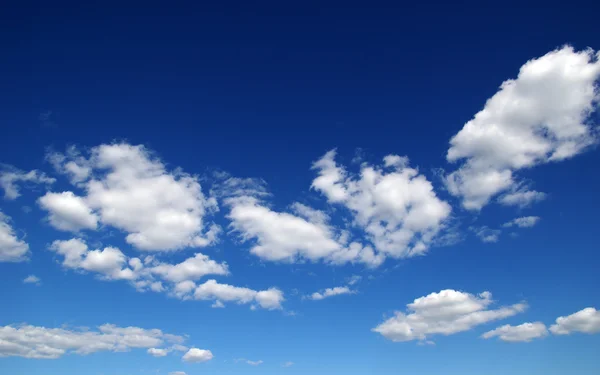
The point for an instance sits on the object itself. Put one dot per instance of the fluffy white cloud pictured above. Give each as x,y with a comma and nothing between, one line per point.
486,234
32,279
130,189
11,177
585,321
110,263
539,117
521,333
190,269
158,352
198,355
40,342
270,299
68,212
330,292
522,198
12,249
523,222
395,205
446,313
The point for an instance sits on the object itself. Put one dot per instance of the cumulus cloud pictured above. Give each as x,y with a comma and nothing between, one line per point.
270,299
523,222
49,343
539,117
176,280
395,206
330,292
525,332
444,313
68,212
12,248
10,178
32,279
584,321
197,355
130,189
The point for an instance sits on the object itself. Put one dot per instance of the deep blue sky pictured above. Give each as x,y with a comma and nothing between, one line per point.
263,91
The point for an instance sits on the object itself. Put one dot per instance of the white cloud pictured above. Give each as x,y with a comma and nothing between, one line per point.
176,279
521,333
177,373
131,190
10,178
486,234
584,321
68,212
523,222
32,279
75,166
158,352
254,363
12,249
197,355
395,205
287,364
270,299
537,118
330,292
40,342
354,279
522,198
109,263
190,269
446,313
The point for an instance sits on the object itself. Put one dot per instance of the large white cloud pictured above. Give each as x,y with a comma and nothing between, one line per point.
539,117
10,178
68,212
40,342
525,332
446,313
395,205
330,292
584,321
12,248
130,189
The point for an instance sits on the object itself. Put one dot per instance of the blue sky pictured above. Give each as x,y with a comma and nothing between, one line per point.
326,189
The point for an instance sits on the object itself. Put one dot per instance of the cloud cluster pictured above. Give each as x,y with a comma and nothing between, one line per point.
40,342
178,280
128,188
539,117
12,248
444,313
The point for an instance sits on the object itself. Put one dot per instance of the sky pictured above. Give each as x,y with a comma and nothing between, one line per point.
287,189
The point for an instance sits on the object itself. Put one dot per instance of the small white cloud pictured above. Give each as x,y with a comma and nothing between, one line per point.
584,321
254,363
269,299
155,352
444,313
196,355
523,222
330,292
486,234
32,279
525,332
522,198
68,212
354,279
12,248
177,373
287,364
